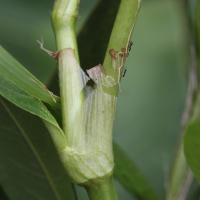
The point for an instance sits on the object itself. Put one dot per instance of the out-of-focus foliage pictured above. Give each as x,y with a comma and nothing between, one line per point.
192,132
130,176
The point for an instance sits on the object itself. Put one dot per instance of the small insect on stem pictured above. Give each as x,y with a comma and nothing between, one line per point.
124,72
129,47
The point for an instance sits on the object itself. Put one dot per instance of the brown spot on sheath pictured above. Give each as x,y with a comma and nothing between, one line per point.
126,55
113,53
124,51
102,111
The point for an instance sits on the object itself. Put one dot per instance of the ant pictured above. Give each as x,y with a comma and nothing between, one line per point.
124,72
129,47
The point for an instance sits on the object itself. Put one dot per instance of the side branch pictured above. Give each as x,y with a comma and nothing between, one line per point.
121,34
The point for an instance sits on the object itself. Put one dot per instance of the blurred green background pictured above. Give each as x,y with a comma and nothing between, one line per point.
150,106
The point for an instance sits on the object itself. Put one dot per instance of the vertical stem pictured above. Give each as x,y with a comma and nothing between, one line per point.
97,179
103,190
64,17
120,36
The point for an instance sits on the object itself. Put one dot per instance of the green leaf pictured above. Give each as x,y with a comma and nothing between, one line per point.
15,72
192,147
25,101
33,105
29,164
131,177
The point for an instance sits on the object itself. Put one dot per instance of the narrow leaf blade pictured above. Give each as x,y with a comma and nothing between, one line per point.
131,177
15,72
25,101
22,99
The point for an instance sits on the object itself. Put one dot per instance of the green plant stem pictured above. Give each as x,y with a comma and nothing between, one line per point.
120,36
64,17
102,190
98,183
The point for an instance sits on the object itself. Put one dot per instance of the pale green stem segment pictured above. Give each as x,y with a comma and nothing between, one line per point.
104,190
88,158
89,155
71,86
120,38
64,17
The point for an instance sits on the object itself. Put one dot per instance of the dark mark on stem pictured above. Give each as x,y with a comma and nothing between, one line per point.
129,47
